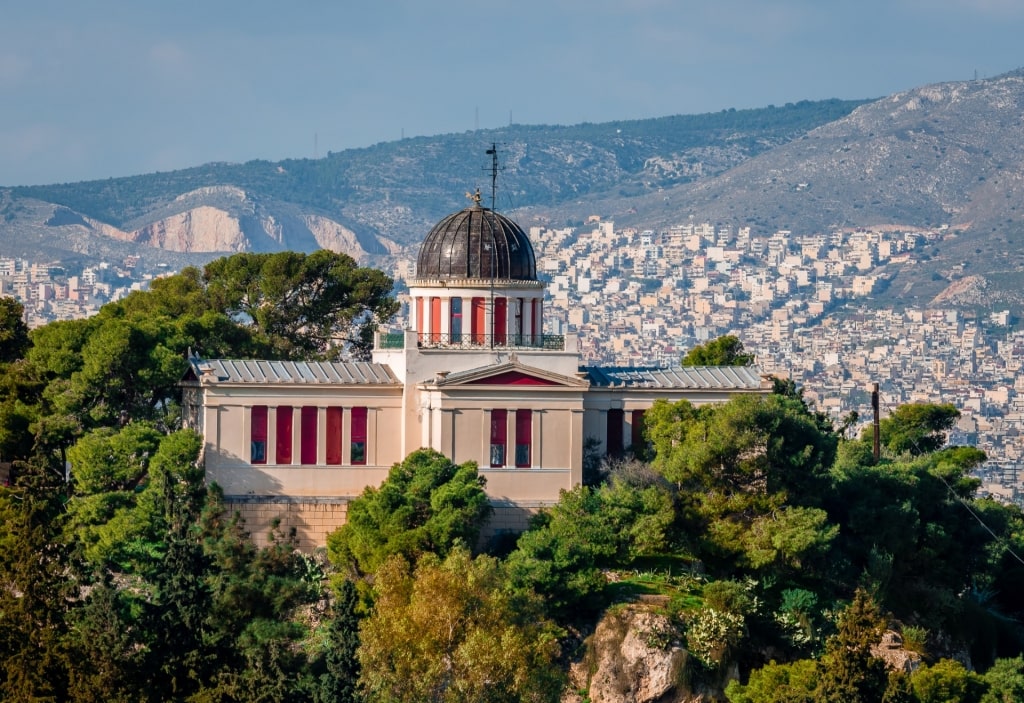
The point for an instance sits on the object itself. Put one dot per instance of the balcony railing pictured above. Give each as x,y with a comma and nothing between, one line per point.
429,340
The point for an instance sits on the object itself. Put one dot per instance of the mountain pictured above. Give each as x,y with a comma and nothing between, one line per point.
947,157
365,201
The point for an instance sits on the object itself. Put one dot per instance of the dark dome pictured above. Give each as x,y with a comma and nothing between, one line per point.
476,243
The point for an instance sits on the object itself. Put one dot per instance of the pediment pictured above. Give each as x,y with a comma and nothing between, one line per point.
508,374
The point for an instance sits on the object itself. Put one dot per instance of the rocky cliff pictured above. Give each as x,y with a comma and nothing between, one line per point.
635,656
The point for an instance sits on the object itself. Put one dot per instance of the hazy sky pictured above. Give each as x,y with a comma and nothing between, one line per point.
100,88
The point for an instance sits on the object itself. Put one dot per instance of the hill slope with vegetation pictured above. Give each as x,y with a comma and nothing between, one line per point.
775,548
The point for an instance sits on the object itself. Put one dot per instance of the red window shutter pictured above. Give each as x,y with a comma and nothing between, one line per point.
333,432
435,319
358,437
479,321
524,432
258,435
500,320
307,450
284,434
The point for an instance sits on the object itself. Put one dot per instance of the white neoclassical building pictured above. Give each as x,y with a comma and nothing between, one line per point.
473,377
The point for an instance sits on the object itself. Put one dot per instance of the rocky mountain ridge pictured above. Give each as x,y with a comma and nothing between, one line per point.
948,156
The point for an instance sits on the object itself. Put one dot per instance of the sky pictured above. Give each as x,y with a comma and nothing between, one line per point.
93,89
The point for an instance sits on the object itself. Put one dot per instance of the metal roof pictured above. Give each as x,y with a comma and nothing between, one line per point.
476,243
297,372
747,378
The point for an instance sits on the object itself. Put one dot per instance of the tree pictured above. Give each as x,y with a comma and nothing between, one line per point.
561,555
737,464
316,305
917,428
450,632
777,683
35,588
13,330
1005,681
427,504
338,684
946,681
723,351
848,672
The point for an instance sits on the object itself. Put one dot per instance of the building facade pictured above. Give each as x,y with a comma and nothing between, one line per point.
474,377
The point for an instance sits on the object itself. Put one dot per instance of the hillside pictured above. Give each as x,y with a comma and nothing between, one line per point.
945,156
396,190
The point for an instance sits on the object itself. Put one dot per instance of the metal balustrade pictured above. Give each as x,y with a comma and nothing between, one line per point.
468,340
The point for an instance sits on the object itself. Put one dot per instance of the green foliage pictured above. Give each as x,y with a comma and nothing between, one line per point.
737,464
449,631
315,305
34,590
427,504
712,635
723,351
929,547
728,596
946,681
13,330
789,537
1005,681
917,428
562,554
339,682
107,460
795,682
915,639
848,673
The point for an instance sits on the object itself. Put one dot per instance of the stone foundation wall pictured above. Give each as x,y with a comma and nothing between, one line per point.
310,520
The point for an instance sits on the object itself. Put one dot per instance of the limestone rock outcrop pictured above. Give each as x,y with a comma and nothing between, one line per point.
634,656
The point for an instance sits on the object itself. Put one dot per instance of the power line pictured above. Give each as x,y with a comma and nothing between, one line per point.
967,506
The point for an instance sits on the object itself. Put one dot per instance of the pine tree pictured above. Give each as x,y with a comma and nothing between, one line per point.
339,683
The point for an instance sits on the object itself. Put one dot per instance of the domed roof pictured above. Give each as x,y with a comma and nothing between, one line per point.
476,243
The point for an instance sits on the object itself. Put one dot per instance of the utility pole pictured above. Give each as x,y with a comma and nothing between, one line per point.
877,446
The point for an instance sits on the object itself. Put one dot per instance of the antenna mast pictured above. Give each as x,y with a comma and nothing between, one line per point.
493,152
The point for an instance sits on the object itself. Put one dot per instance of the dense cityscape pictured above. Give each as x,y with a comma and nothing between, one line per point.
641,298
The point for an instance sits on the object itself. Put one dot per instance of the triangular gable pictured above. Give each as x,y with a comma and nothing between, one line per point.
508,374
512,378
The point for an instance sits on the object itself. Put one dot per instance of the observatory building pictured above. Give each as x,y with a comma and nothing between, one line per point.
474,377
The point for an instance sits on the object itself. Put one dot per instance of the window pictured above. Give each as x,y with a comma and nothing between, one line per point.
456,320
333,436
479,320
307,435
284,435
499,432
358,437
435,320
517,320
258,435
638,434
524,431
615,420
500,320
